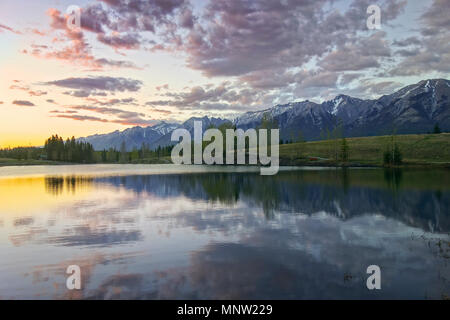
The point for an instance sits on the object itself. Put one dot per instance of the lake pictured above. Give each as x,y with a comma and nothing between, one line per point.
199,232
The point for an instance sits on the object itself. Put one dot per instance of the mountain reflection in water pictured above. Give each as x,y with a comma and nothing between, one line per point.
212,235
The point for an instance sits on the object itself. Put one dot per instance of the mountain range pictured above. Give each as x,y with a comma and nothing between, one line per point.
413,109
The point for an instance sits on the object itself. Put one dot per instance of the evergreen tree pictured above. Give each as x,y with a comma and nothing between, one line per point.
71,151
436,129
336,134
392,155
344,150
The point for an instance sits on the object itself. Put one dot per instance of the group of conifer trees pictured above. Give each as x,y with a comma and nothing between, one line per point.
70,150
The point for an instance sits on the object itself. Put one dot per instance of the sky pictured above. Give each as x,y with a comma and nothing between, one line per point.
138,62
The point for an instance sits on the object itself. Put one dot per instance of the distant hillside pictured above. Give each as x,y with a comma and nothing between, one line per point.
154,136
413,109
133,137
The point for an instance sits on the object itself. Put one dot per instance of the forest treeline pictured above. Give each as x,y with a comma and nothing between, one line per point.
70,150
57,149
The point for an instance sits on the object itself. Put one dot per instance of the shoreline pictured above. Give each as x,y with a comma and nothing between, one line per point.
327,164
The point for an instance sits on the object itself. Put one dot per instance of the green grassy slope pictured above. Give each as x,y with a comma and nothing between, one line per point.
417,149
15,162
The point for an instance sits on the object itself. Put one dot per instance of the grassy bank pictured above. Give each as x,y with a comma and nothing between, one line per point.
416,149
30,162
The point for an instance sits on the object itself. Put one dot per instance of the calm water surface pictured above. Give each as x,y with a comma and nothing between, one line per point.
169,232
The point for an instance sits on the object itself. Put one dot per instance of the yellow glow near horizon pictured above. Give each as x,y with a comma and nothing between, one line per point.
32,125
38,195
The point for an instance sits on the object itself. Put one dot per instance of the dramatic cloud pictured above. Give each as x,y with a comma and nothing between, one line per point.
34,93
85,87
23,103
119,24
349,77
79,51
126,41
278,49
362,54
235,38
123,117
113,102
224,97
319,80
102,62
432,52
81,118
241,37
371,88
407,42
114,111
144,15
126,121
162,111
436,18
85,93
64,111
407,53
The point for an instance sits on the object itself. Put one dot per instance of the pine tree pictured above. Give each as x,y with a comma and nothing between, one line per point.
392,155
398,158
70,150
344,150
336,134
436,129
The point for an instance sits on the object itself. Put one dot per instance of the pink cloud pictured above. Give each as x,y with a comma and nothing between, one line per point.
78,52
34,93
2,26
